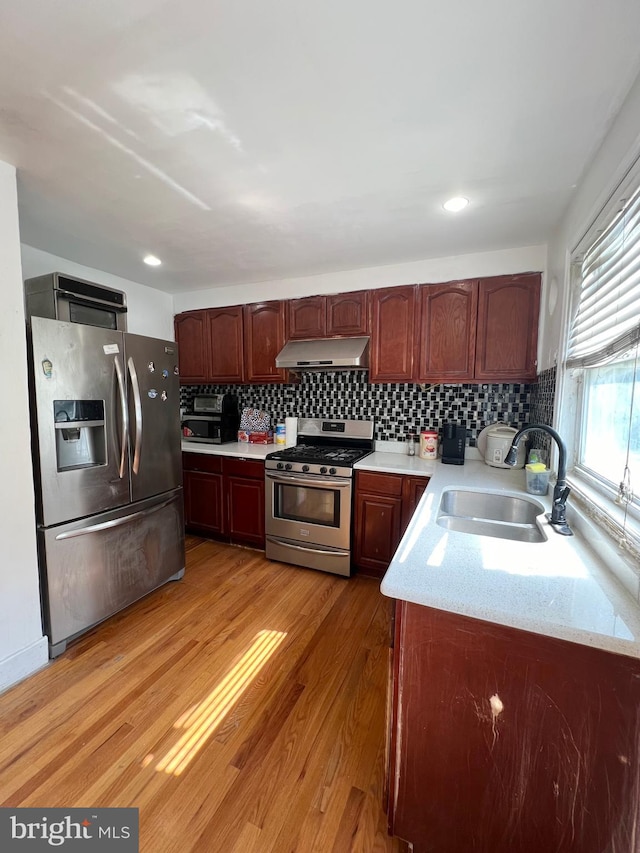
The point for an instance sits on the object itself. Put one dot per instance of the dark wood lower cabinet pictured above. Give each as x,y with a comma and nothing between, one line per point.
244,487
224,497
203,502
503,741
383,506
203,494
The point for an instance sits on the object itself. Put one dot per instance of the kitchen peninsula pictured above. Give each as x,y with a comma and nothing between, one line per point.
516,685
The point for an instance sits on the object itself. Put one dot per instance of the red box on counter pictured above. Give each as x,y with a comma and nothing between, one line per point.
261,437
256,436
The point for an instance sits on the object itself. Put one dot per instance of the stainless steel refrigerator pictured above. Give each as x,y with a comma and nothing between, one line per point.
106,443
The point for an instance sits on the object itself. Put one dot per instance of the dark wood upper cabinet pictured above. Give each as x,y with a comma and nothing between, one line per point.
447,331
394,333
307,317
264,337
193,346
226,344
507,337
338,315
348,314
482,330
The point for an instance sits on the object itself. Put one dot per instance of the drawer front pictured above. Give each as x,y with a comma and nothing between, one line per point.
379,484
243,468
202,462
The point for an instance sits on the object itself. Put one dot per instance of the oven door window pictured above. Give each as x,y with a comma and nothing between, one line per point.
311,505
92,316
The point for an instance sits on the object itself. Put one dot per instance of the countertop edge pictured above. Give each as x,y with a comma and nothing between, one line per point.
458,582
233,448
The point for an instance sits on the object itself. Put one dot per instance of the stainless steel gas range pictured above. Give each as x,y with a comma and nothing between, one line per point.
309,494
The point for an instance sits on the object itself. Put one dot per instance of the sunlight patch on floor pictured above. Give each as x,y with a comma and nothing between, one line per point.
203,720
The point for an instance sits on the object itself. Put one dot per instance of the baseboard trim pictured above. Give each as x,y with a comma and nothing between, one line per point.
23,663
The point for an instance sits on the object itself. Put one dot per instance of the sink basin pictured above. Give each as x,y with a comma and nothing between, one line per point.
491,514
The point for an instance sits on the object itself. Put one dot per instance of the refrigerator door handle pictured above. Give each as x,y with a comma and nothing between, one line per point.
115,522
124,416
137,405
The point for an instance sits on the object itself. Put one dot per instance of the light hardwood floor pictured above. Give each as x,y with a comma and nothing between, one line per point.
241,709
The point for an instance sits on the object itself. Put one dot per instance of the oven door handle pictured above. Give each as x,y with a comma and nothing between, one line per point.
305,481
323,551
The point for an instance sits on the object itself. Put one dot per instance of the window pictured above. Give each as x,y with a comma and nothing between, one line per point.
611,429
603,366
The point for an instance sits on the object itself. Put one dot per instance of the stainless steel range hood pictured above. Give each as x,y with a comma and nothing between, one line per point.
325,354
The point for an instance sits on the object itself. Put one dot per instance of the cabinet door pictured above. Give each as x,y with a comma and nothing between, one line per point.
394,327
307,318
447,331
507,337
264,337
193,346
246,510
378,531
226,347
412,490
348,314
377,520
203,502
508,741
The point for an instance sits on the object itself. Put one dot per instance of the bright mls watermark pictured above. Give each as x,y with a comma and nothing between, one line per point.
32,830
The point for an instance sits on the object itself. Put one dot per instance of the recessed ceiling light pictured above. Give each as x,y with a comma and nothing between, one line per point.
152,260
456,204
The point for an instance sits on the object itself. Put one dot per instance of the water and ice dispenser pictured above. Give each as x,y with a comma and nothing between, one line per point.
80,433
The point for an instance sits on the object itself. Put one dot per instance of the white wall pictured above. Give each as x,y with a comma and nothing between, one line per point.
526,259
23,648
150,312
619,149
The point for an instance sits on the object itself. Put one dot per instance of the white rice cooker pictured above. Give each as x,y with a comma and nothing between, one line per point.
497,441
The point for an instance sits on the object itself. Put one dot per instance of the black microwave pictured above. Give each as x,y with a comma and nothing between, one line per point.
62,297
209,429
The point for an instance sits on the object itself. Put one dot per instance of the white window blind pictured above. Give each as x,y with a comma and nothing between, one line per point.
607,321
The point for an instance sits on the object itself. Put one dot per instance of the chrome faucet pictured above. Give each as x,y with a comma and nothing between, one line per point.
558,517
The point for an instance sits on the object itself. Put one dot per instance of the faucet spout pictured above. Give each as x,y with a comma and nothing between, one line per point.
558,517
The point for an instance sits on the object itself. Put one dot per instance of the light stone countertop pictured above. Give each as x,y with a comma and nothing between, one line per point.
559,588
231,448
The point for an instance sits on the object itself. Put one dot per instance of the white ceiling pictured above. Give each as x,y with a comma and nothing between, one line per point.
249,140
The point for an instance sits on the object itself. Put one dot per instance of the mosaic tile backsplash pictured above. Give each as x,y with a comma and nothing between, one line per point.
397,408
542,400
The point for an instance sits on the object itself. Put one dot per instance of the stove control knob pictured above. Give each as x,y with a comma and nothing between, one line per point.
323,470
288,466
332,471
305,468
279,466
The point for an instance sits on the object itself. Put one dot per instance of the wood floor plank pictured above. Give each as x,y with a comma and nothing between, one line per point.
242,708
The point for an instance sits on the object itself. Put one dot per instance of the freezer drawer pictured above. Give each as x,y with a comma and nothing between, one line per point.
91,569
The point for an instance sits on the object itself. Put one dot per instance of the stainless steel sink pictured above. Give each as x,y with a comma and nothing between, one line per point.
491,514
